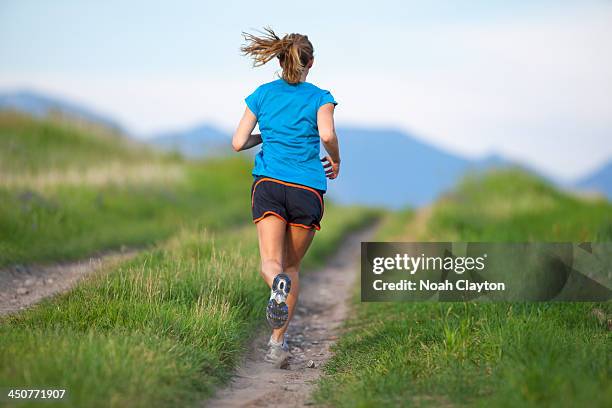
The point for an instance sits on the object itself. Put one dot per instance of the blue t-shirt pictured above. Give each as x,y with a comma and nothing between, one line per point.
287,116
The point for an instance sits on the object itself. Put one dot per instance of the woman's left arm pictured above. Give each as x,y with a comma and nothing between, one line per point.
243,137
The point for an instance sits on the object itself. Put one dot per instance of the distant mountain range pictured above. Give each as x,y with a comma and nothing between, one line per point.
598,181
199,141
40,105
380,167
391,168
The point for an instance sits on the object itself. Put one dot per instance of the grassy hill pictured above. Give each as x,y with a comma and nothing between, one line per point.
36,145
469,354
66,192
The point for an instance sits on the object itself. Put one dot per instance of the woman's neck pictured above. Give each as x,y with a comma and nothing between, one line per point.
304,75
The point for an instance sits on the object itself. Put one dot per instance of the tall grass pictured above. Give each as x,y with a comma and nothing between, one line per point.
158,329
161,330
463,354
68,221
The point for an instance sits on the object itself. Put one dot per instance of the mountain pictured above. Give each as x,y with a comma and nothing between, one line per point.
198,141
40,105
600,181
390,168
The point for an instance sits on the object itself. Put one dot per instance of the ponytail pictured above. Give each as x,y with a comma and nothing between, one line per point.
294,52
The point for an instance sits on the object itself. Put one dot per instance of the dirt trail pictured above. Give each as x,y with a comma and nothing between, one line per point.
22,286
322,308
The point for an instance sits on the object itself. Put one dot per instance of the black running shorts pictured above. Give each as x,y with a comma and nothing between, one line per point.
297,205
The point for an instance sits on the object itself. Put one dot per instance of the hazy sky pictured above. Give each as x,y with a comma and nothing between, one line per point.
531,81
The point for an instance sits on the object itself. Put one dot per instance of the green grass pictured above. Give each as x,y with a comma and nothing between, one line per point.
160,329
61,199
468,354
163,329
514,206
64,222
37,145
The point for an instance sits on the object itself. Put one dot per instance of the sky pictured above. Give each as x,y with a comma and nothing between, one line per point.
529,80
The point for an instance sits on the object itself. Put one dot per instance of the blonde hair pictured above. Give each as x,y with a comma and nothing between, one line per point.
294,52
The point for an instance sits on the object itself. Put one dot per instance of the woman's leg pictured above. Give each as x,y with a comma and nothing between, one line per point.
297,241
271,233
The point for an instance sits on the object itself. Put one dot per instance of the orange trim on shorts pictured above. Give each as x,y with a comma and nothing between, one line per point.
290,185
308,227
268,213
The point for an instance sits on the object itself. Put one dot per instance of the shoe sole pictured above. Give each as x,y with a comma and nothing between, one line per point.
282,282
277,313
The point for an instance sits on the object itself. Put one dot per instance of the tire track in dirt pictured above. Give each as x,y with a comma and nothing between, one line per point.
322,308
24,285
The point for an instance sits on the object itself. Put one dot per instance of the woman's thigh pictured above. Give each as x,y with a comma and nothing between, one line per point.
297,242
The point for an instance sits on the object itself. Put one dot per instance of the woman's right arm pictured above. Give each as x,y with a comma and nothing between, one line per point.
243,137
327,132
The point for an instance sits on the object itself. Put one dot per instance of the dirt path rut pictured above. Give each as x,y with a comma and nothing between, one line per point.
322,308
22,286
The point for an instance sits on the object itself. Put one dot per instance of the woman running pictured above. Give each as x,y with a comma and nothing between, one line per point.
289,177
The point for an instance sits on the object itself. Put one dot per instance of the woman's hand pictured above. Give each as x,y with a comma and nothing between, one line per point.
332,169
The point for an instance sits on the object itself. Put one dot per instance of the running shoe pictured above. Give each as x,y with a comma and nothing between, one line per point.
278,353
277,311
